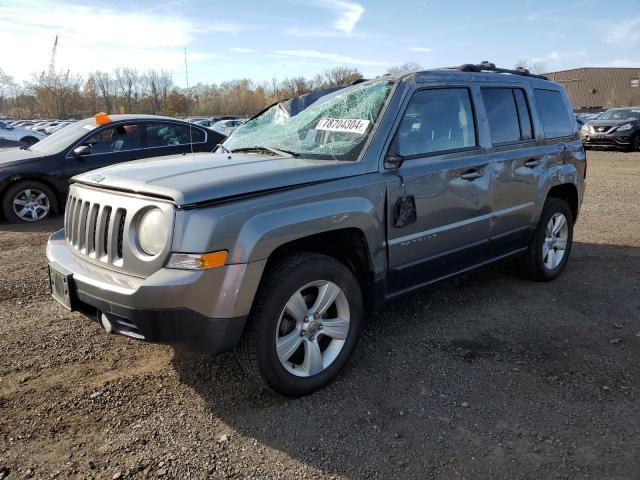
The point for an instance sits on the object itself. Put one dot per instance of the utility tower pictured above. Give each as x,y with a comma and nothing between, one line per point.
52,63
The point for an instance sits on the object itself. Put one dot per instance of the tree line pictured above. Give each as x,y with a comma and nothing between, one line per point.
63,94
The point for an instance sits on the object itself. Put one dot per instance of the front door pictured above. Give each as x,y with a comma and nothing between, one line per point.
107,146
447,177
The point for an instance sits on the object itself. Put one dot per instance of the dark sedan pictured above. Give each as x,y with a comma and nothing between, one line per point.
34,180
618,127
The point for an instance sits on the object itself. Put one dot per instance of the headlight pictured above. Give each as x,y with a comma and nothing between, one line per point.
153,232
585,128
625,127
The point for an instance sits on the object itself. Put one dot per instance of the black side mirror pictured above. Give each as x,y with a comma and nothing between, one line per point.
393,160
81,151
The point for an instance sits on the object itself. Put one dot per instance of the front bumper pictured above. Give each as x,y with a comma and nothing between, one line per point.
615,139
200,310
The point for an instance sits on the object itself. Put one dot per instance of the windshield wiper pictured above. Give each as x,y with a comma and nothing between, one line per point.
282,153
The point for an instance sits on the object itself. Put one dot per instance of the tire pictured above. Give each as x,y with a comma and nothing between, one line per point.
28,141
39,200
635,144
302,277
541,263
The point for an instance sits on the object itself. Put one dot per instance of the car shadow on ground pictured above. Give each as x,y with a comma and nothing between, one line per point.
486,374
47,225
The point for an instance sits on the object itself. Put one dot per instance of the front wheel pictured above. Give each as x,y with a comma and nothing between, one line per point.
550,246
28,201
304,325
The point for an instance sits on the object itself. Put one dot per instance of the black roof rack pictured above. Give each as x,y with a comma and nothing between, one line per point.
491,67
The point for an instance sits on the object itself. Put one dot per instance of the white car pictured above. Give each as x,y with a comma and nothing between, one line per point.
19,134
226,127
56,127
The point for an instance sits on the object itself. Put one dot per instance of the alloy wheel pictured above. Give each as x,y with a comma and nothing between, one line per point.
31,205
312,328
555,242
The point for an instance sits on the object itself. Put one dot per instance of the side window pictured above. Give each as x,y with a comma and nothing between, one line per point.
502,114
526,130
436,121
167,134
555,118
115,139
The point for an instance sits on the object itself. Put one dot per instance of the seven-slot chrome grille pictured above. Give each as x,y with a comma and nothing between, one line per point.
95,230
101,226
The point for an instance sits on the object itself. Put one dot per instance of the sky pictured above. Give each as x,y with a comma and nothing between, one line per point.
261,40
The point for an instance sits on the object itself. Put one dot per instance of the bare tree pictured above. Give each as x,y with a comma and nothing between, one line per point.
535,67
406,68
105,87
129,87
6,85
158,85
56,92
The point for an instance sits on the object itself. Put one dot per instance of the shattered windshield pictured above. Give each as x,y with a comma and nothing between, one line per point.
334,127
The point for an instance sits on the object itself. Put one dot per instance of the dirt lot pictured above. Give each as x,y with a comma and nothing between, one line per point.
486,376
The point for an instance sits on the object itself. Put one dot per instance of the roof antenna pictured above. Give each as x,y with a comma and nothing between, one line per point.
186,74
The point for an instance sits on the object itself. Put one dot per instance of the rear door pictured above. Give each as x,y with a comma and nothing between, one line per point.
517,164
172,138
447,176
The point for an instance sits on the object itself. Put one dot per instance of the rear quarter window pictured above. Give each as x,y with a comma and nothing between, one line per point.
556,121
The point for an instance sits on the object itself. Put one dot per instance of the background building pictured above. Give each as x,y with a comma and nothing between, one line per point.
600,88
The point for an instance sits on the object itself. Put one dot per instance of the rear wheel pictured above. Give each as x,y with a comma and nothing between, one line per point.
304,325
550,246
28,201
28,141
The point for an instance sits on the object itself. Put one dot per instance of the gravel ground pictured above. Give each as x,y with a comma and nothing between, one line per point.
484,376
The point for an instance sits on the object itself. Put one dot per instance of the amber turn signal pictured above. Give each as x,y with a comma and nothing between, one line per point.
197,261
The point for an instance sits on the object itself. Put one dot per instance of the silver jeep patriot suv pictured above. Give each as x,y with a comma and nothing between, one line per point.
319,209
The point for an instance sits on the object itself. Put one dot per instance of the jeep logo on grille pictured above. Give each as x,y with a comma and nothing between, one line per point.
97,178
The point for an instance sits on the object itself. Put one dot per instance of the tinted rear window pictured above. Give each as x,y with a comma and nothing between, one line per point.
502,114
556,121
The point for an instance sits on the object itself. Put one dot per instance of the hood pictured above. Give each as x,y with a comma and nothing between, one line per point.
17,155
195,178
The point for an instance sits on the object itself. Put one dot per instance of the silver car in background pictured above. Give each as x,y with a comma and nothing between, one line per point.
227,127
19,134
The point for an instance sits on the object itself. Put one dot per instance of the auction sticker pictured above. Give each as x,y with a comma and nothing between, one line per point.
350,125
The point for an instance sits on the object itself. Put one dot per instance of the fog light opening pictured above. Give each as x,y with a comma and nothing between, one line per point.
106,323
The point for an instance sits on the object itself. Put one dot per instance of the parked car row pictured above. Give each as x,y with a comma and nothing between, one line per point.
12,132
221,124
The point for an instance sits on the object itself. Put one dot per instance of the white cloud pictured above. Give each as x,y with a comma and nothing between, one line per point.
331,57
349,13
622,63
557,56
242,50
625,32
94,38
318,33
420,49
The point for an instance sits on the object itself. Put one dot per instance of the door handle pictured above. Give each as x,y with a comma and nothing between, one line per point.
533,163
472,175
